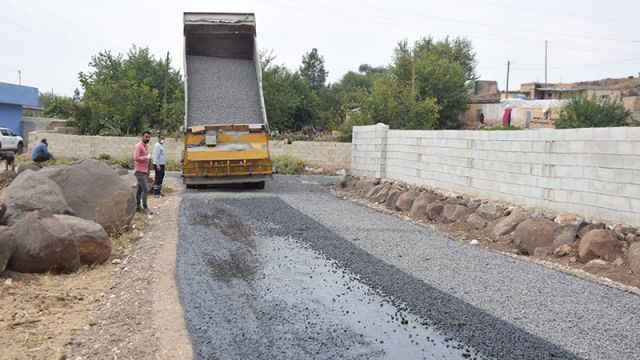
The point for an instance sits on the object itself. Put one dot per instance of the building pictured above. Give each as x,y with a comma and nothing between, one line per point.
543,91
12,99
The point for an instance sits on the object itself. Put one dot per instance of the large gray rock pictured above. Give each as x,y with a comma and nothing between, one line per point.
405,201
7,246
532,234
419,207
32,191
490,212
565,234
95,192
634,257
94,244
434,210
508,224
43,243
374,190
380,196
393,197
453,212
598,243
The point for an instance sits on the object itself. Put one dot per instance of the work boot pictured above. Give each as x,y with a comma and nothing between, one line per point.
146,211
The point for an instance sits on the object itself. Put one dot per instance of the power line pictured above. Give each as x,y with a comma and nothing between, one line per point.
38,34
458,21
408,24
64,24
547,11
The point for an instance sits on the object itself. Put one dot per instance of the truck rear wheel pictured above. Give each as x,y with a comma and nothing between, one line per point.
20,148
259,185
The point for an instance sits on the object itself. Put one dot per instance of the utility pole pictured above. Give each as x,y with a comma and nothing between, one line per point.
546,46
508,68
19,77
164,102
413,72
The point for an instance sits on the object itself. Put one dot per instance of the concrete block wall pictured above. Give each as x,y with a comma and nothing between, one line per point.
330,156
594,172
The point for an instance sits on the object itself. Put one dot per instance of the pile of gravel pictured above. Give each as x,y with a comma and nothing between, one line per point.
222,91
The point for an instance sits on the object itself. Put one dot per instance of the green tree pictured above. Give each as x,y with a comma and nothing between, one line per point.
124,95
433,72
312,69
583,112
393,103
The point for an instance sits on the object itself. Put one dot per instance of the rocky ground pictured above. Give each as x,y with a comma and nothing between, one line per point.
125,309
486,223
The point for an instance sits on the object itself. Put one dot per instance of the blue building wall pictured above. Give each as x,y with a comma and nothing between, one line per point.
12,98
11,117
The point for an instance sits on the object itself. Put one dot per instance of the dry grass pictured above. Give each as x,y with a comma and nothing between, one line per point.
39,312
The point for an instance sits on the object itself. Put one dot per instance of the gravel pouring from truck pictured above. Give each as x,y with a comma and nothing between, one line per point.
226,129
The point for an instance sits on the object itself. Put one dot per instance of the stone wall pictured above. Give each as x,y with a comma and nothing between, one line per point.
329,156
594,172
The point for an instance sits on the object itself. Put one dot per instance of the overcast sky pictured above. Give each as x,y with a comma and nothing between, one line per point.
51,41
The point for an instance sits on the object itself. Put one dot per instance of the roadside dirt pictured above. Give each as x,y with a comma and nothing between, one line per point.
127,308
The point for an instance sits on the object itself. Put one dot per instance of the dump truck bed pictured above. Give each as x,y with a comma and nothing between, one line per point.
226,130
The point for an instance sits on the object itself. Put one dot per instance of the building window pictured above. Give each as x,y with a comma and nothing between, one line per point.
547,115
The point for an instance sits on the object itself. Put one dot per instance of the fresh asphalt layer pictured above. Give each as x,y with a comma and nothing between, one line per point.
295,272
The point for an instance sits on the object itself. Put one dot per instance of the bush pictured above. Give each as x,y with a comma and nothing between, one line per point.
103,156
499,127
582,112
124,161
173,165
287,165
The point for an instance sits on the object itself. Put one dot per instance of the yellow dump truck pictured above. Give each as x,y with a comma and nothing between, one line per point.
226,136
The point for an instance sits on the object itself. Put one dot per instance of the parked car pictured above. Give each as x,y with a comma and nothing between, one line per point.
9,141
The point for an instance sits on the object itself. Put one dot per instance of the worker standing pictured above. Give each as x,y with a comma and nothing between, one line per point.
159,161
141,159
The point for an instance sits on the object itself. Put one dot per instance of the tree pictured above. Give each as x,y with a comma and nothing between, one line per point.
124,95
432,70
392,102
312,69
583,112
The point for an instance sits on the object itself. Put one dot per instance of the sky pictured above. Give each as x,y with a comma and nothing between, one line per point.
50,42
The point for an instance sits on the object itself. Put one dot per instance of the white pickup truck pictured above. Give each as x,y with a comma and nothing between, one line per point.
10,142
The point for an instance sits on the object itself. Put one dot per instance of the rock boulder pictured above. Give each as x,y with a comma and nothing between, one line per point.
405,201
477,221
43,243
32,191
434,210
95,192
564,234
94,244
381,194
452,212
419,207
490,211
532,234
7,246
393,197
634,257
598,243
508,224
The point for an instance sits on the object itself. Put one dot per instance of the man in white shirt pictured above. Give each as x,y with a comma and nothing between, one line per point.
159,161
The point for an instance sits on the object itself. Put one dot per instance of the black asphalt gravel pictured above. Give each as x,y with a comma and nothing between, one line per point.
293,272
222,91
